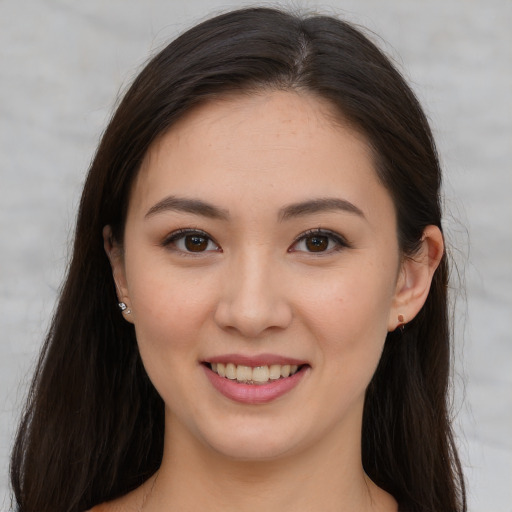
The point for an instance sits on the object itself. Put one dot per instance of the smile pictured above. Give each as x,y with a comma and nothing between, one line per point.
254,380
254,375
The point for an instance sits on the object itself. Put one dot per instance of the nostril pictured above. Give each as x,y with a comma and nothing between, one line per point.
252,319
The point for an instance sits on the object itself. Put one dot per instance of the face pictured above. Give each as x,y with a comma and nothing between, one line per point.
261,266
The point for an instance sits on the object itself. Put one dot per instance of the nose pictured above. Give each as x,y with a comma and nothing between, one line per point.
253,299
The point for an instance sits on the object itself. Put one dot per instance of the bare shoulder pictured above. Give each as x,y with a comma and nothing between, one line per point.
99,508
131,502
120,505
112,506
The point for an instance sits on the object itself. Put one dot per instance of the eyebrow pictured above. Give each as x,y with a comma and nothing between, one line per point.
199,207
320,205
183,204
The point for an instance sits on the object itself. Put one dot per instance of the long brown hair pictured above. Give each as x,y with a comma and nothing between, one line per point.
93,425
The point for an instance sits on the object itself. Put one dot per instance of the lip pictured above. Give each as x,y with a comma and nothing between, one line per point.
257,360
253,394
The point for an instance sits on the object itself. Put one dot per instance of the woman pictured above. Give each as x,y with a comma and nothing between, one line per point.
255,313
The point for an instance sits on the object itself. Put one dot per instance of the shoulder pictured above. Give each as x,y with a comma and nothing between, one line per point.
123,504
131,502
111,506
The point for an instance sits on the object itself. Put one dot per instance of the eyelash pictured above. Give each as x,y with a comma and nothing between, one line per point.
181,234
339,241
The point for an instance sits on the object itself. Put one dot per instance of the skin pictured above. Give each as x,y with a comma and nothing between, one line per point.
255,287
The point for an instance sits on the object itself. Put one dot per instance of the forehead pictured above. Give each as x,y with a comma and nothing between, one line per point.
264,116
263,146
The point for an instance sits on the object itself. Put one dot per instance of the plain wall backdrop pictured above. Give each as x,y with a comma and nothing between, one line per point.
62,64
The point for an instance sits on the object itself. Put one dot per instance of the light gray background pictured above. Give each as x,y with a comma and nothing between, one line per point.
62,64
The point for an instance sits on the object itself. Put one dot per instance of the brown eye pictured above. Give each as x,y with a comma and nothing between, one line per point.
190,241
196,243
317,243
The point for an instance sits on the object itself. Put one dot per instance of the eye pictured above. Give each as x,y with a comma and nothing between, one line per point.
319,241
190,241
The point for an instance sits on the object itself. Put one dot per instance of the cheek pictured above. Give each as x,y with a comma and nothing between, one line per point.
168,307
168,318
350,301
348,318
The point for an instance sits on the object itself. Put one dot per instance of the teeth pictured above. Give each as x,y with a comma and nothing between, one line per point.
260,374
231,371
275,371
243,373
256,375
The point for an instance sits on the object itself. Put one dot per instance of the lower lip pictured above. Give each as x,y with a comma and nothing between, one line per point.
254,393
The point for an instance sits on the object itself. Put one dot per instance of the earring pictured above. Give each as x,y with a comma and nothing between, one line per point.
401,324
124,308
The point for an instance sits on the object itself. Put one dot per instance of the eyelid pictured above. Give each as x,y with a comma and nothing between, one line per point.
340,240
181,233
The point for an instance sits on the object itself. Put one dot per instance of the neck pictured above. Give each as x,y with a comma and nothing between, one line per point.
327,476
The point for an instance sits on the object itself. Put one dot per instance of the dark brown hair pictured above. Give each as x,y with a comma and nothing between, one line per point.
93,425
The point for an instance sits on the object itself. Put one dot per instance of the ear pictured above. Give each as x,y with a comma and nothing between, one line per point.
115,255
415,278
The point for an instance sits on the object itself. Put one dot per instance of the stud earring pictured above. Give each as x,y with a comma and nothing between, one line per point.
401,324
124,308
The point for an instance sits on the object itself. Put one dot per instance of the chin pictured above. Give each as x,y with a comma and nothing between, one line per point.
251,440
257,450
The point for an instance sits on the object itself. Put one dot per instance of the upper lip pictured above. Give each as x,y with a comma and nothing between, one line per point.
255,360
